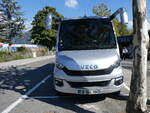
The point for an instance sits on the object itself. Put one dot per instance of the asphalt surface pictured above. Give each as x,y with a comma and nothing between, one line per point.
29,89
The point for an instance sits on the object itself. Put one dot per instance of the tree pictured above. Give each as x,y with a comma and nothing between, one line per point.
11,21
103,10
121,29
2,24
138,88
38,32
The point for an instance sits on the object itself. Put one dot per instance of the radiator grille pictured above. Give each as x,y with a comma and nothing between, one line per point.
89,84
88,73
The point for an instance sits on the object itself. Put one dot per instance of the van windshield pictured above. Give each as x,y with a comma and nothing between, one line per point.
86,34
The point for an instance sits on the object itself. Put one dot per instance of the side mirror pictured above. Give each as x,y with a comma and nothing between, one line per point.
48,21
124,17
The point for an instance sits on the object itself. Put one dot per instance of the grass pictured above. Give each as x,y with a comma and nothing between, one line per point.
21,53
8,56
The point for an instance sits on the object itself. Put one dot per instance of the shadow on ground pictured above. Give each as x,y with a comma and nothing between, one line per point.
21,79
72,102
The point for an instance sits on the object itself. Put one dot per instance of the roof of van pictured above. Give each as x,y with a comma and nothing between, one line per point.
87,17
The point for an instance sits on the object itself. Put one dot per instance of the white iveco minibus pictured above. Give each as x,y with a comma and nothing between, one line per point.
87,56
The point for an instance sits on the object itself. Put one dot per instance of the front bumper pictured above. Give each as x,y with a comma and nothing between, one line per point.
63,83
110,88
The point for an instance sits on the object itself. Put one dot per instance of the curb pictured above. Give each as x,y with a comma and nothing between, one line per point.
23,61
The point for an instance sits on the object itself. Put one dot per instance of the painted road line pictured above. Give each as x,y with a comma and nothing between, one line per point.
126,86
50,97
23,97
13,105
37,85
54,97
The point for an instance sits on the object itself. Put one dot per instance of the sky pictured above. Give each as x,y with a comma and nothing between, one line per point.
75,8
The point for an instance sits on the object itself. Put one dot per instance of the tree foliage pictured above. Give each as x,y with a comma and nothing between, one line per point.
103,10
121,29
11,20
38,32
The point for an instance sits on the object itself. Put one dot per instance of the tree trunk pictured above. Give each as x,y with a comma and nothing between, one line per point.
138,88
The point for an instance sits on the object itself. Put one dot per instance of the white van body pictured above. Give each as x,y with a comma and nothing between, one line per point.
87,57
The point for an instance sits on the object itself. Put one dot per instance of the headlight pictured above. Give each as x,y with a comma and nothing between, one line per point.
59,65
117,63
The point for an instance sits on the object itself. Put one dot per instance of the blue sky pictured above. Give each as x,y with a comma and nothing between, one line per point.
74,8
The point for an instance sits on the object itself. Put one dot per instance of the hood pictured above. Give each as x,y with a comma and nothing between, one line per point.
87,59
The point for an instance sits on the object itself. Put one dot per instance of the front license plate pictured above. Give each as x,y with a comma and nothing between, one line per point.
86,91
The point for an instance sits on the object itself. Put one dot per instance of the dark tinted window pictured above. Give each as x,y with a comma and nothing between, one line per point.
86,34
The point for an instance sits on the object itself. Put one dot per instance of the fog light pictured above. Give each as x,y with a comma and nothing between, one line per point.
59,82
119,81
59,65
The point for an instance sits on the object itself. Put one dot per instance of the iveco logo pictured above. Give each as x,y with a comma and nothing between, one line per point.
89,67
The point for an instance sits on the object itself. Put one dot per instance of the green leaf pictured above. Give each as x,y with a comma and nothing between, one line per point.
38,32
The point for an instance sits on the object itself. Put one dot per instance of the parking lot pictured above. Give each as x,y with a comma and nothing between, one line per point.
29,89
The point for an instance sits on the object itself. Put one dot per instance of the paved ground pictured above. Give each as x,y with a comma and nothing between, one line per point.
29,89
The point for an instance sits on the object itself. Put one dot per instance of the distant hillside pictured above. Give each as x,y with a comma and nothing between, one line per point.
25,39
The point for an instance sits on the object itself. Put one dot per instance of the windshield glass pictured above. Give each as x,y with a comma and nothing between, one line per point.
86,34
